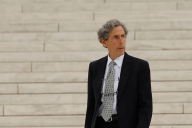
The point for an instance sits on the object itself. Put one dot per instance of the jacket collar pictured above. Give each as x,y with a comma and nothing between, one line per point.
124,76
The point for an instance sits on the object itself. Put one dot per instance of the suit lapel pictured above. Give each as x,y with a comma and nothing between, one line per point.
100,76
125,73
124,76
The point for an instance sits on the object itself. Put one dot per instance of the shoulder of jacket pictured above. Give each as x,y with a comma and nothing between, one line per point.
139,61
96,62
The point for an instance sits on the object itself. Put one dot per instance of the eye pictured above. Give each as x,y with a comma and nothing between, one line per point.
115,37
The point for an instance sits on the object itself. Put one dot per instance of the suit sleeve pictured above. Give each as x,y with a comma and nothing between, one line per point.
145,97
90,99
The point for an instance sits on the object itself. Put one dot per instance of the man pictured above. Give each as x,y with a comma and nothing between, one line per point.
119,85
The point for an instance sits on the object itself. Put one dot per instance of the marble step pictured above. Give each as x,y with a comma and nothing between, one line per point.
91,56
58,110
146,1
42,121
74,121
37,88
48,1
83,66
78,46
55,36
28,27
173,15
17,46
64,36
185,5
86,7
189,126
58,99
10,8
66,16
98,24
131,45
56,88
93,26
97,16
172,119
81,77
163,35
131,25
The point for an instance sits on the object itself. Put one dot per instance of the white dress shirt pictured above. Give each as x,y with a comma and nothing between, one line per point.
117,69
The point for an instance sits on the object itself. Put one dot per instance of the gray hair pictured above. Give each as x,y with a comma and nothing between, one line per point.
108,27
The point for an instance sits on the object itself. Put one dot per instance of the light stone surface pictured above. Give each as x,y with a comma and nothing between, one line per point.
146,1
165,15
63,36
131,25
162,55
49,127
34,88
172,119
42,121
1,110
189,126
21,47
170,65
160,127
188,108
70,98
165,108
91,56
172,97
24,27
47,1
131,45
83,66
185,5
57,127
8,89
10,9
56,77
60,66
171,86
82,127
15,67
163,35
82,76
171,75
43,99
167,119
86,7
159,25
44,110
67,16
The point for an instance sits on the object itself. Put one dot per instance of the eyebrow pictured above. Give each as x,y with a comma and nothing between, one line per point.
119,35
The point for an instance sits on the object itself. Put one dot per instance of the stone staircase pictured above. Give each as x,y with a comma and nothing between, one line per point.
47,45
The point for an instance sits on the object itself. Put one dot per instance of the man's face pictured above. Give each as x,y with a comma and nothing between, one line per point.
116,42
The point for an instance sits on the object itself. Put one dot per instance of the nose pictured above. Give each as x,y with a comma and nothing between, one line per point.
121,40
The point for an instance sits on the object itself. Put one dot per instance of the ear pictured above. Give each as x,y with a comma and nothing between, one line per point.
104,42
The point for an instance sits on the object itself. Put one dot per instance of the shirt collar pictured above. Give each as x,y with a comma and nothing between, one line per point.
118,60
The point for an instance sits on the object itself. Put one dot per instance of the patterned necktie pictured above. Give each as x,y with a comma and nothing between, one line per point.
109,93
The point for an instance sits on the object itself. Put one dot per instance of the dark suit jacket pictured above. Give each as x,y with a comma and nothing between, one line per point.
134,97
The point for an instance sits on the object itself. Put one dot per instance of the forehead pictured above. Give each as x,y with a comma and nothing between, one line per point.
117,31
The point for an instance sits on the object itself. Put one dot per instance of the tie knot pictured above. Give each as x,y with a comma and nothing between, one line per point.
113,63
